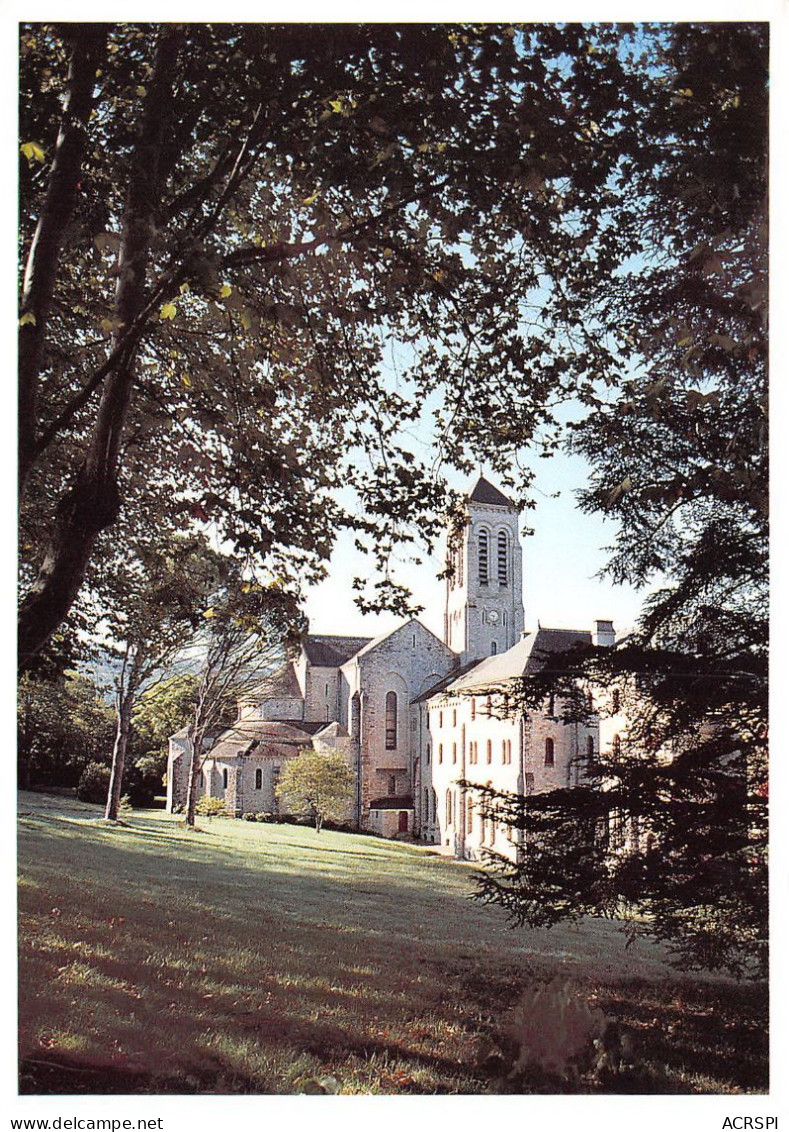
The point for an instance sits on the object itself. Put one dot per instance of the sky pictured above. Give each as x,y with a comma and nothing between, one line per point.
560,563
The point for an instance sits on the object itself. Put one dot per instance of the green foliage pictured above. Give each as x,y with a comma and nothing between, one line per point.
93,783
678,451
318,785
344,214
211,807
62,725
161,710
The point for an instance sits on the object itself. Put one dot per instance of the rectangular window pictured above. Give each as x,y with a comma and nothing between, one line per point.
391,721
483,558
258,779
502,558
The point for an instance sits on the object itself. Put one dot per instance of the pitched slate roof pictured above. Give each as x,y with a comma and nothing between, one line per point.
530,654
331,652
440,685
248,736
485,492
281,682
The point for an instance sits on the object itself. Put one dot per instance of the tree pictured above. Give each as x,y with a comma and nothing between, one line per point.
62,725
245,633
678,456
317,784
152,601
433,193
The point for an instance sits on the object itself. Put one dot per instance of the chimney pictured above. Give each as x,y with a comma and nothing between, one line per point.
603,635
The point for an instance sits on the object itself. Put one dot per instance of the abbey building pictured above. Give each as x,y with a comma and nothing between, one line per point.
413,714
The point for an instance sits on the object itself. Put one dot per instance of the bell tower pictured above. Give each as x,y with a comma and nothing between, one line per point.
484,602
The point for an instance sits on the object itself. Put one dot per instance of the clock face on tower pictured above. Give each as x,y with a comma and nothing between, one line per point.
493,617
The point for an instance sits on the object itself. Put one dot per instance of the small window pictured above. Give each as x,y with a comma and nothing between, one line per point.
427,806
258,779
504,750
469,815
392,784
454,717
440,752
449,807
454,752
494,648
589,748
391,721
441,719
427,754
224,778
489,751
549,752
473,707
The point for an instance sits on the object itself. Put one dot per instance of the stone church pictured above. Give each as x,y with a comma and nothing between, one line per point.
411,713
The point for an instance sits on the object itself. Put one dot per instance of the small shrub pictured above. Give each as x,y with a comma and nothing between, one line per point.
554,1030
210,807
259,815
94,783
125,806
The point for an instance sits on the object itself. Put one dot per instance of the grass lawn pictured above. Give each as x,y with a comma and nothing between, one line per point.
248,958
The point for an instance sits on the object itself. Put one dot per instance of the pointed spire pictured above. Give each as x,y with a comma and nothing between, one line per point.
484,492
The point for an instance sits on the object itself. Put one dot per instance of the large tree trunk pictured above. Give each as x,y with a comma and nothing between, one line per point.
88,42
195,766
93,502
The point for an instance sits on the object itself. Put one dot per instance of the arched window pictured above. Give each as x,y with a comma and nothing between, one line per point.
504,750
449,807
484,574
549,752
503,558
434,809
454,717
391,721
427,806
494,648
454,752
224,778
440,752
427,754
589,748
441,719
489,750
258,779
